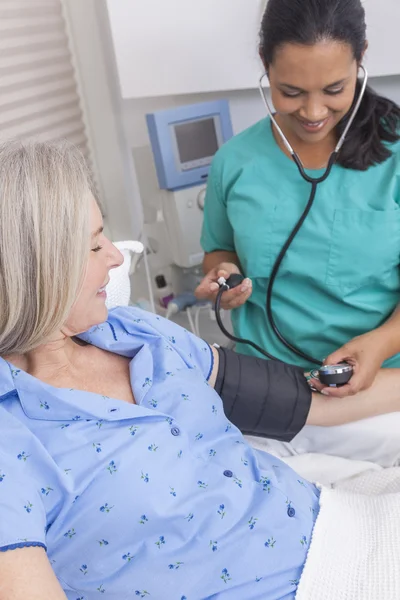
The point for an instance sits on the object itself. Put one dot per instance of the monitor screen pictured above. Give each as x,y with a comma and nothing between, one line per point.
196,140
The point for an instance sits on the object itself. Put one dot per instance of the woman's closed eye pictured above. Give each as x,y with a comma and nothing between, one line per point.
335,92
291,94
331,92
97,249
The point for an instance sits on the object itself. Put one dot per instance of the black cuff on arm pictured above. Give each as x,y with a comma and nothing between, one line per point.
262,397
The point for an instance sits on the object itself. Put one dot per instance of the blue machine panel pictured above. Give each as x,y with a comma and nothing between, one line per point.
185,139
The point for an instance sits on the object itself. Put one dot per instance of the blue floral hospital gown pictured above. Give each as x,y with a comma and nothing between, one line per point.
163,499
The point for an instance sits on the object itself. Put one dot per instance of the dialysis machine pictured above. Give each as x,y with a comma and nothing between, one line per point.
183,143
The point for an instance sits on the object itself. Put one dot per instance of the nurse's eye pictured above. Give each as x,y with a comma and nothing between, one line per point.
334,92
291,94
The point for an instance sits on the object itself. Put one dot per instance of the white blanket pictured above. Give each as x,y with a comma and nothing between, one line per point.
355,547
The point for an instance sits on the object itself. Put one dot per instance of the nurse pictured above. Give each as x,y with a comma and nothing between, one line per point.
337,290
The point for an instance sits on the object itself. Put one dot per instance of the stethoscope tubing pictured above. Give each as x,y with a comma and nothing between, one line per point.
314,181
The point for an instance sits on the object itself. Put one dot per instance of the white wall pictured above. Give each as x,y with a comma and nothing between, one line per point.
93,58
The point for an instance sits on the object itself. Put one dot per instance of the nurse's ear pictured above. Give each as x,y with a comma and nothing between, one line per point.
363,53
266,65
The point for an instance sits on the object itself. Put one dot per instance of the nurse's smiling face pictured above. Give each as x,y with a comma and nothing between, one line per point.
312,88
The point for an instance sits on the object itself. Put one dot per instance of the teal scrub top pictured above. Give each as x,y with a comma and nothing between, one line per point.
340,278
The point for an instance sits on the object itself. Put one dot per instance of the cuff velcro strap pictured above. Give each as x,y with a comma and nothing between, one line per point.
261,397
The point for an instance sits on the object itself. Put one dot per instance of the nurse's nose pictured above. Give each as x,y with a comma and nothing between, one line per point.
314,110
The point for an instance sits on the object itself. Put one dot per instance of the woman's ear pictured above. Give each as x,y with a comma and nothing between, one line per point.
266,66
364,51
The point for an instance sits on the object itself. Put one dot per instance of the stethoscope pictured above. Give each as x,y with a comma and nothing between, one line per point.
341,372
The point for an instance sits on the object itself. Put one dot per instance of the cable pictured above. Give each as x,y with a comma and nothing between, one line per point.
197,320
148,276
236,279
222,289
331,375
190,319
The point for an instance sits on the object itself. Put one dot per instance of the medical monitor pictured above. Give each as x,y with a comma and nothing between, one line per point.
185,139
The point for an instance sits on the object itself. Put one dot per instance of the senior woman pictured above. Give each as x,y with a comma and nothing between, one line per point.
120,475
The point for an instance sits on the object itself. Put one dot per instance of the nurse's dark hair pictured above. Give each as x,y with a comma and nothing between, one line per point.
308,22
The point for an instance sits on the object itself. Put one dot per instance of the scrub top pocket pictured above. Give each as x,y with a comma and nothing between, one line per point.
253,243
365,247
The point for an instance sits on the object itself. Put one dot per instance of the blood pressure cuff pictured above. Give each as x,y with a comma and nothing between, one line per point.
267,398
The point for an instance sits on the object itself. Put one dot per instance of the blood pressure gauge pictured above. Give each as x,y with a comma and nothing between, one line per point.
335,375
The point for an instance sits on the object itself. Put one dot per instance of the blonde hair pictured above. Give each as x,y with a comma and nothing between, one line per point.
45,192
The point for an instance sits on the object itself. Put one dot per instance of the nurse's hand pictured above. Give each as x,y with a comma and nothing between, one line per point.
365,354
208,287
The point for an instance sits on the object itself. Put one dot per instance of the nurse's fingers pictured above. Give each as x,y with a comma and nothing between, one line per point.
232,298
208,286
339,392
206,289
237,296
315,384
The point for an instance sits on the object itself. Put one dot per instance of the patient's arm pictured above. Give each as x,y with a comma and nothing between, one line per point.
382,397
271,399
26,574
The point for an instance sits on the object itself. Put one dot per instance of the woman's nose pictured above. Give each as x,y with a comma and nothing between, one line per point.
314,110
116,258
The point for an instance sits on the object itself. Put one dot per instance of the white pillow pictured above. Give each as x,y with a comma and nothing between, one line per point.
119,287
